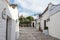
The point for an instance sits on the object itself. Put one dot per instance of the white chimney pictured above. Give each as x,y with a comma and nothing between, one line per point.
50,5
7,1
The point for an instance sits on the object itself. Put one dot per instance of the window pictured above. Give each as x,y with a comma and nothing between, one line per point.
48,19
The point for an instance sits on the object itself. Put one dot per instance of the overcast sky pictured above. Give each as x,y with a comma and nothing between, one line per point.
31,7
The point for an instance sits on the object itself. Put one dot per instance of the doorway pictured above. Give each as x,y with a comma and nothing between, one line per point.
46,30
44,23
8,28
33,24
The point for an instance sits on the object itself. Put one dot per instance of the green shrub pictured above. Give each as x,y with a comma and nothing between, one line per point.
45,28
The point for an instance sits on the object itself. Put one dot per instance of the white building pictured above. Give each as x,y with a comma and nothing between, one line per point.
37,23
33,23
51,19
9,29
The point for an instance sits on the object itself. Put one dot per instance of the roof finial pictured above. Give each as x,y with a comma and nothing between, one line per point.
50,5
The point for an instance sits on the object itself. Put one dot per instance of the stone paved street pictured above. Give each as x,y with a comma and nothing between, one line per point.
28,33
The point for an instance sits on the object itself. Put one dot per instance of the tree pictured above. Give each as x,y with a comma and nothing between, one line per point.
21,19
26,20
30,18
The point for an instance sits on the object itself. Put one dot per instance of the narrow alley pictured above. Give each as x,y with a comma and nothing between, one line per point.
29,33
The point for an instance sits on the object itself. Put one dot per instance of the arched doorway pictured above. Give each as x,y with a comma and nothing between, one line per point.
33,24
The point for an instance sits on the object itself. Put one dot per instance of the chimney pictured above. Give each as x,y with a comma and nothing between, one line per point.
13,5
7,1
50,5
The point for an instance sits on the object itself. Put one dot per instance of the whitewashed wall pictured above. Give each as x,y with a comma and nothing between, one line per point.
2,21
44,17
14,14
13,31
32,23
54,24
37,23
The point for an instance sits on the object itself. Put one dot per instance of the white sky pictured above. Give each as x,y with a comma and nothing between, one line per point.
35,6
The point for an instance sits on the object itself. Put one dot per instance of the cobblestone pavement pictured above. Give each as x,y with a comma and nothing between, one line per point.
28,33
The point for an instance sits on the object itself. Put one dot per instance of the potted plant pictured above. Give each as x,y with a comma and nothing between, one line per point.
45,28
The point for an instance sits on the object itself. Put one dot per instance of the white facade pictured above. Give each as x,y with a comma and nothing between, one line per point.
9,28
33,23
53,13
37,23
14,14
